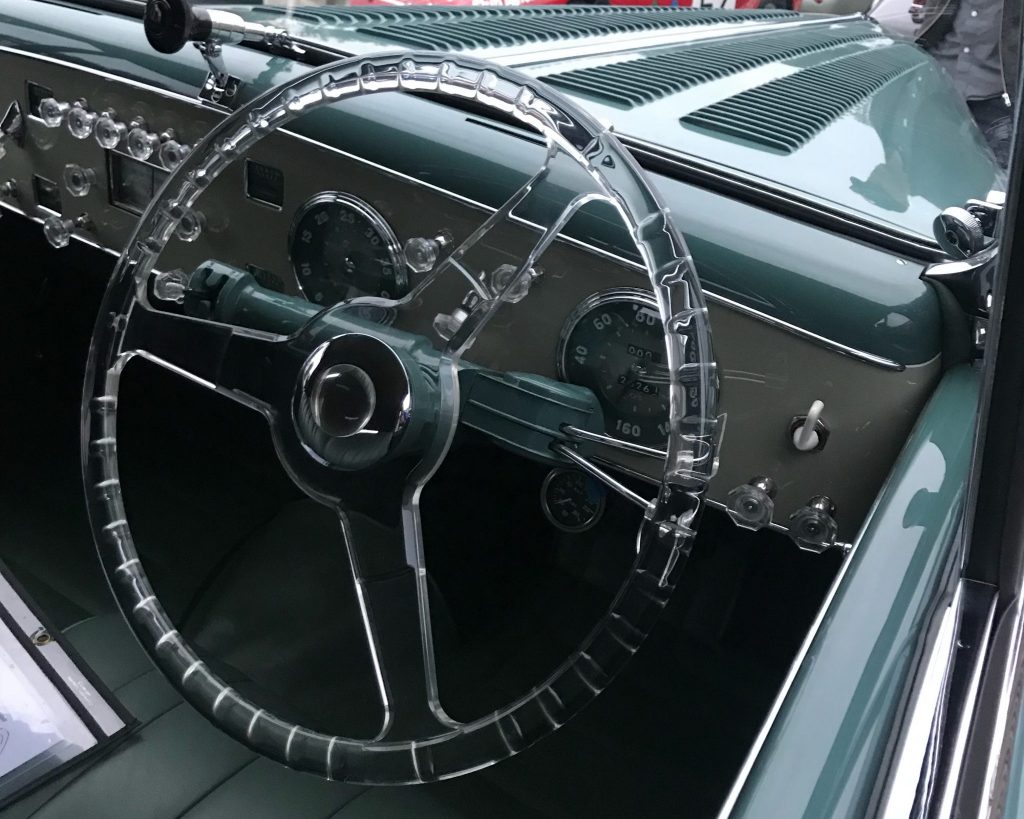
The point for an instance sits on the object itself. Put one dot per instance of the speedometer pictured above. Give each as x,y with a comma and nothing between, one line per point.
614,344
341,248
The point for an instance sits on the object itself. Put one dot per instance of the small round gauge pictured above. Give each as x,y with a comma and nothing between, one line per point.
614,343
341,248
572,500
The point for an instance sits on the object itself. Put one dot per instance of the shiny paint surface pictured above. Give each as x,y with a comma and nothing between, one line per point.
822,753
893,151
847,292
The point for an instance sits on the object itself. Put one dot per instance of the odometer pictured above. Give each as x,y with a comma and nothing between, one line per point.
341,248
614,344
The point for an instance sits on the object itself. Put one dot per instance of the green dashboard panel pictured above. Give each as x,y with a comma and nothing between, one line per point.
852,295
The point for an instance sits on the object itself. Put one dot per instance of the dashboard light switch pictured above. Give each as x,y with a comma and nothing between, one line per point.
809,432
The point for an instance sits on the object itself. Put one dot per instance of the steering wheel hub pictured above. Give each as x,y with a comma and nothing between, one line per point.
353,401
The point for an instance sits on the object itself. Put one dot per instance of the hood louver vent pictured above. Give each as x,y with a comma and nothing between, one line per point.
784,114
639,81
473,28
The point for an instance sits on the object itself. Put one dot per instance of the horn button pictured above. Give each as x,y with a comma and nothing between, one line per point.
353,401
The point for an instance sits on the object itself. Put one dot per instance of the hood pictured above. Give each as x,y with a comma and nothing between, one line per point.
832,109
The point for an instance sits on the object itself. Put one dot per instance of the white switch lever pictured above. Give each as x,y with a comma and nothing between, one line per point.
805,436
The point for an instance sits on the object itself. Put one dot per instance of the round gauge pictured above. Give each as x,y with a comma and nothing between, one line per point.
341,248
614,344
572,500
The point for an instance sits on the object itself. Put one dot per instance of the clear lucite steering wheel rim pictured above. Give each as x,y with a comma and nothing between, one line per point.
449,748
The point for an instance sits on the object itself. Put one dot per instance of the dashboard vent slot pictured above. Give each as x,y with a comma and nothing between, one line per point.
646,79
473,28
784,114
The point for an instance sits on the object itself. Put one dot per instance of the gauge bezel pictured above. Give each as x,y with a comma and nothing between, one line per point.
364,209
546,509
594,300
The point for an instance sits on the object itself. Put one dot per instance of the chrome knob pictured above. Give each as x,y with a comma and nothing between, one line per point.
9,189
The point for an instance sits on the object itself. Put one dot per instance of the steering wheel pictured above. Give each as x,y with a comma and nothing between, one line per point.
353,399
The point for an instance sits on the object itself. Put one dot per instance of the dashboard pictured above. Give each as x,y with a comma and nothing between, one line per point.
309,219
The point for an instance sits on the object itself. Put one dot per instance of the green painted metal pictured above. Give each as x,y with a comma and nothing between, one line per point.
850,293
887,158
822,754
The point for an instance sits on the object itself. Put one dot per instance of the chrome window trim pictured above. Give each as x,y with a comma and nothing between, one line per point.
710,295
924,774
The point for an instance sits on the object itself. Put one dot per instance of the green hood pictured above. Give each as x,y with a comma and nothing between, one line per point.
831,108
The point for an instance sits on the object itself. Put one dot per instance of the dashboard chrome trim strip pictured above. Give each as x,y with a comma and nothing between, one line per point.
710,295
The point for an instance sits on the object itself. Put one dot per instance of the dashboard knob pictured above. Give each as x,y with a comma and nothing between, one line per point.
109,132
171,285
78,180
959,232
190,225
809,432
169,24
172,154
52,112
142,143
81,121
58,230
813,527
421,253
751,505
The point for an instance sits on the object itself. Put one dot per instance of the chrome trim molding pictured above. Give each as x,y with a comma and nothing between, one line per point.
922,779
